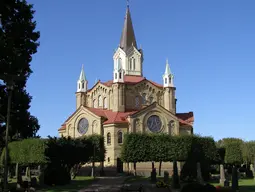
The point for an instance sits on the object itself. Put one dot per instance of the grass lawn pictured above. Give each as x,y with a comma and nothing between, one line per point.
75,185
246,185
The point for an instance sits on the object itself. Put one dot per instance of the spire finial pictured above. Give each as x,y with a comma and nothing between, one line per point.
127,3
166,60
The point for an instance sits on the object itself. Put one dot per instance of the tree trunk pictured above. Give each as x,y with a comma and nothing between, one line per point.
159,169
135,169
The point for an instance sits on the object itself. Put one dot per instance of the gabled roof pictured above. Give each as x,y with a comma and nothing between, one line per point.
186,117
121,117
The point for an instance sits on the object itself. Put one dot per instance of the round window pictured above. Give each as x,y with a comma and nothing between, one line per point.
154,123
83,126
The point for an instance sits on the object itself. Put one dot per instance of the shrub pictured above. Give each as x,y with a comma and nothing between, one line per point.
193,187
209,188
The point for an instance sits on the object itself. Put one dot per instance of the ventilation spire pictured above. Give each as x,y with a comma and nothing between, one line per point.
128,35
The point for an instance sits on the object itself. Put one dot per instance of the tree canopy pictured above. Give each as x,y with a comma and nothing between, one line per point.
18,42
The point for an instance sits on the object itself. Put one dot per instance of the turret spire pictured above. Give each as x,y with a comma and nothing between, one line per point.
82,83
82,74
168,76
167,70
128,35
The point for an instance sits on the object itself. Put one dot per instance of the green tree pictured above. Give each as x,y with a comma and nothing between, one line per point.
233,150
18,42
249,152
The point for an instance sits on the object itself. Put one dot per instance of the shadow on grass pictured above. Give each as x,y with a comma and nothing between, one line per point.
73,186
142,179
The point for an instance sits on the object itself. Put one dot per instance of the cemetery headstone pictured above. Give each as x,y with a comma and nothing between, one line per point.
154,175
235,186
199,174
166,177
222,175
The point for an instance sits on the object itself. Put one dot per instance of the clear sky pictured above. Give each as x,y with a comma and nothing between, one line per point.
210,45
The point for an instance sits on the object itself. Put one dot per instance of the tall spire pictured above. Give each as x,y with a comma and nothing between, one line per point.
128,35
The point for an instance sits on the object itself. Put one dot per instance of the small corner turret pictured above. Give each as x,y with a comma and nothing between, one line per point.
168,78
82,87
82,83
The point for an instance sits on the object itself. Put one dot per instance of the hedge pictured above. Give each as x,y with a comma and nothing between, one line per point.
140,147
56,150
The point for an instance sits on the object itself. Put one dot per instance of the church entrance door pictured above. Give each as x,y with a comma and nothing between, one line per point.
119,166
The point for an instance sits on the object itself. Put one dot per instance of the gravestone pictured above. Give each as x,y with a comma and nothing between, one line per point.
252,168
166,177
222,175
154,175
199,174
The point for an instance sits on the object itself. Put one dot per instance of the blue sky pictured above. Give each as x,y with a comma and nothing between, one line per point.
210,46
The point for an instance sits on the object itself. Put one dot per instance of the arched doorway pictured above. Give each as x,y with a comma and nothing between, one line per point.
119,166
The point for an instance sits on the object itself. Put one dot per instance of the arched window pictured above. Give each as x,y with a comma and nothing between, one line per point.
105,103
115,75
144,98
108,139
133,63
82,85
120,137
120,75
119,65
165,80
137,101
100,101
94,103
130,64
151,100
169,79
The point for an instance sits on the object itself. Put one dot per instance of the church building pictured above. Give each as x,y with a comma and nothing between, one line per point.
126,103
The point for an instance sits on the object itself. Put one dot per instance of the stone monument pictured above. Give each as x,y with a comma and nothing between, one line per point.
222,175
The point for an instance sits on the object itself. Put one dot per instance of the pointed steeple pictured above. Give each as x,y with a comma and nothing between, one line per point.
82,83
82,74
168,76
128,35
167,70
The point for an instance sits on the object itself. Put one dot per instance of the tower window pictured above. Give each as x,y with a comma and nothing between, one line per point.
119,63
100,101
94,103
120,137
165,80
79,86
134,63
169,79
115,75
130,64
120,75
144,98
82,85
105,103
151,100
108,138
137,101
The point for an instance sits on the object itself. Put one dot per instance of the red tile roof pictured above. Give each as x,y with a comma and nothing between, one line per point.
121,117
186,117
129,79
111,117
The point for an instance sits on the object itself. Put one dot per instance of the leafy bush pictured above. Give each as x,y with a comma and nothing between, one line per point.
58,154
193,187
